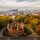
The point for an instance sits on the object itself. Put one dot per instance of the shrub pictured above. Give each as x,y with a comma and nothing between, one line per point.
27,31
5,33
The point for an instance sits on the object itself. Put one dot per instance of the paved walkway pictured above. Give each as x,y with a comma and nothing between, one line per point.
2,32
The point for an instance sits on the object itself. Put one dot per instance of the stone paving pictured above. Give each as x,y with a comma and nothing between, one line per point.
19,38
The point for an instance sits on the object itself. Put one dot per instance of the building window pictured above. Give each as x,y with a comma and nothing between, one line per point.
14,27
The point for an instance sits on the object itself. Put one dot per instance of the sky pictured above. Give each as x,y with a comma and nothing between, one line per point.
19,3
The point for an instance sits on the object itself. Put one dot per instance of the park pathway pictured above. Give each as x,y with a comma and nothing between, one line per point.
2,32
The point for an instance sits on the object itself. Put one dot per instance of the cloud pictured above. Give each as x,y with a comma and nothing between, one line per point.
21,0
19,3
27,0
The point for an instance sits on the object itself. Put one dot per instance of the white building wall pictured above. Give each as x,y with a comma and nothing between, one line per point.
2,15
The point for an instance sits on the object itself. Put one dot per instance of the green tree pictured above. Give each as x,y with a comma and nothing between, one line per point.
19,18
26,20
2,24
